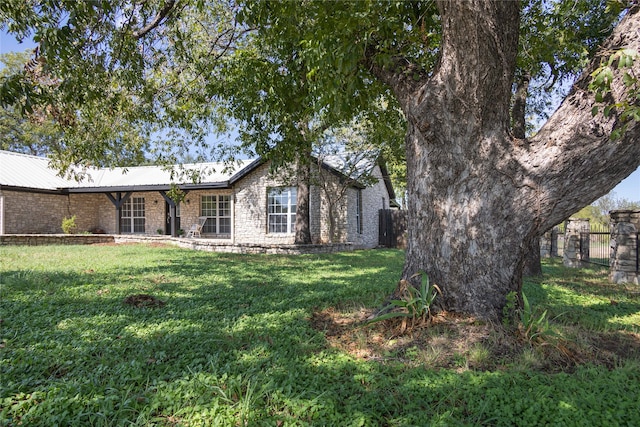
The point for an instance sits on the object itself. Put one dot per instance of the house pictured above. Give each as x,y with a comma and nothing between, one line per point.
245,204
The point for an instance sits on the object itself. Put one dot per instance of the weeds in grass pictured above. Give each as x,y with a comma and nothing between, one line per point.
478,355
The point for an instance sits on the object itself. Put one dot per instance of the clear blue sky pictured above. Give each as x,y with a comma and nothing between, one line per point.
628,189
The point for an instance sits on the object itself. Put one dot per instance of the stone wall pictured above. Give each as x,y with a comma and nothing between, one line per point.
624,258
54,239
208,245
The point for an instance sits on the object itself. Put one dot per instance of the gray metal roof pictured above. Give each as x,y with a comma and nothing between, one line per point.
25,171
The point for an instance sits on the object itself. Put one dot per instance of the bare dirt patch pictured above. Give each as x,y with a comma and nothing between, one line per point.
143,300
460,342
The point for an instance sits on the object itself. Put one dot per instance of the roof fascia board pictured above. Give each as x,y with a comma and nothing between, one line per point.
141,188
352,182
60,191
246,170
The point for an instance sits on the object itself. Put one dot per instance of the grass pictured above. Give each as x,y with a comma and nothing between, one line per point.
239,342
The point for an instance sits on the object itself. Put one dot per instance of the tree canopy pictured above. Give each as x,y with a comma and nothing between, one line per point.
35,135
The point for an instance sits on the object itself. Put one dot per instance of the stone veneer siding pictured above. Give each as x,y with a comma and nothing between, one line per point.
374,198
31,212
250,209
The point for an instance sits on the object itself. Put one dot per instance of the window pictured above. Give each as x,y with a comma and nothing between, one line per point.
359,211
217,209
132,216
281,208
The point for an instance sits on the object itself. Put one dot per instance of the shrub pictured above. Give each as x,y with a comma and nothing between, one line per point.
69,225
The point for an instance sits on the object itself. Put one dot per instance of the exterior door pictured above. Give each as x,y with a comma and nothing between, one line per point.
167,216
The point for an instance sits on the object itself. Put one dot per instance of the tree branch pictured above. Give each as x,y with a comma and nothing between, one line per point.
402,76
162,14
575,148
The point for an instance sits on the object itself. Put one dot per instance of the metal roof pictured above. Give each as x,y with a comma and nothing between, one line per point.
25,171
21,170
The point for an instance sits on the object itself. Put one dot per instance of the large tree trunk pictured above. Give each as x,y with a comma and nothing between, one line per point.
532,261
478,196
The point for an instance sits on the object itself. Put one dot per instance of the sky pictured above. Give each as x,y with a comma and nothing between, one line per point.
628,189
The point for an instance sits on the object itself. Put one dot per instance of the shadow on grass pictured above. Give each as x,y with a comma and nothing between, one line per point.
233,346
583,297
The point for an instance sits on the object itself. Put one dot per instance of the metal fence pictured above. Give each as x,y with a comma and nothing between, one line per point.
595,245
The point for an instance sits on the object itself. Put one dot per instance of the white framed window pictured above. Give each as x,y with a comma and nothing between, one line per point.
359,211
281,209
217,209
132,216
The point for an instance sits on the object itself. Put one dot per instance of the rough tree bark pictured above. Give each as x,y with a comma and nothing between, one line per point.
477,195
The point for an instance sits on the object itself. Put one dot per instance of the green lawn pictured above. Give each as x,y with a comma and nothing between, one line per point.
234,345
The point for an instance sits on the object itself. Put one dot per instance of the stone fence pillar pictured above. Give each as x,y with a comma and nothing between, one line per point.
574,251
624,259
549,243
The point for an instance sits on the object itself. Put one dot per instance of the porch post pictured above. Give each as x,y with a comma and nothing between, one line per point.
118,201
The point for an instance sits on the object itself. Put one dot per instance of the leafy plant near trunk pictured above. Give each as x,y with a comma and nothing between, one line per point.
534,326
415,303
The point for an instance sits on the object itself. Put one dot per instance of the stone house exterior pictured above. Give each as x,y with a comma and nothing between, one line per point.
245,205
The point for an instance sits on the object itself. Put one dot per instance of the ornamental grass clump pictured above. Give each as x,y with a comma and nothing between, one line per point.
535,326
414,305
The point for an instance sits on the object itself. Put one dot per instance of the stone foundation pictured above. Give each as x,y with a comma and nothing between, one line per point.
54,239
